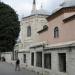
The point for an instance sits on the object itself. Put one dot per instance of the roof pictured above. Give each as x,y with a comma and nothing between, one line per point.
34,15
69,3
40,11
64,5
45,28
69,18
59,12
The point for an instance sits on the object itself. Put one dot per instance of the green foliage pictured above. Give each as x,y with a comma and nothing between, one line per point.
9,27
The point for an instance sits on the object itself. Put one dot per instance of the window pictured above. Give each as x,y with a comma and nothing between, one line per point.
32,59
29,31
62,62
39,59
47,61
56,32
16,55
24,56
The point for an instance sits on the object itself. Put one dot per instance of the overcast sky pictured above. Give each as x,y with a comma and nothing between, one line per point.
23,7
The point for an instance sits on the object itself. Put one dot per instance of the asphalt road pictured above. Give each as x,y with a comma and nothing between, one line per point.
8,69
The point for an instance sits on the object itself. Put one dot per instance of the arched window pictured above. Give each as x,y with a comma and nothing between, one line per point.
56,32
29,31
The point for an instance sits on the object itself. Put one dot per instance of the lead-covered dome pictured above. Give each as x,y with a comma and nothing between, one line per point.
69,3
40,12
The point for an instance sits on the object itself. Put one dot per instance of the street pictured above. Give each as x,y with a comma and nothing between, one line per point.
9,69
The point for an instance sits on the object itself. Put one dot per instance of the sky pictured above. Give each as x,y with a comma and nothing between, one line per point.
24,7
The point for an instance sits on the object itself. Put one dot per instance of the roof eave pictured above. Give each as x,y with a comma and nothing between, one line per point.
58,11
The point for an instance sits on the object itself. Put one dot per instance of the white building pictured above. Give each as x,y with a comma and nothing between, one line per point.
30,25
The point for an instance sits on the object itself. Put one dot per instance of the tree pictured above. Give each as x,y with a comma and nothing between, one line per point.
9,28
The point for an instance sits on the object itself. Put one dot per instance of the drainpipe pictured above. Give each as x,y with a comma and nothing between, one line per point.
43,58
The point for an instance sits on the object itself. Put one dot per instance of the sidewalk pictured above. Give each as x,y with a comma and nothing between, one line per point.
9,69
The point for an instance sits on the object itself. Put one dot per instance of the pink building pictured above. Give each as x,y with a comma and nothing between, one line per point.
58,54
61,26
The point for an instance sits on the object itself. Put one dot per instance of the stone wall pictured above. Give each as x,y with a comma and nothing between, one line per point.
7,55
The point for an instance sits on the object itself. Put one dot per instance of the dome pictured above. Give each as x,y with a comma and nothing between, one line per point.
70,3
40,12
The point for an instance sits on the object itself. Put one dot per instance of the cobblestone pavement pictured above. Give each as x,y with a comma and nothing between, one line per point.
8,69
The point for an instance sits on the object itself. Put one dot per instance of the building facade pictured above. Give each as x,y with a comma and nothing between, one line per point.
47,42
58,51
29,37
